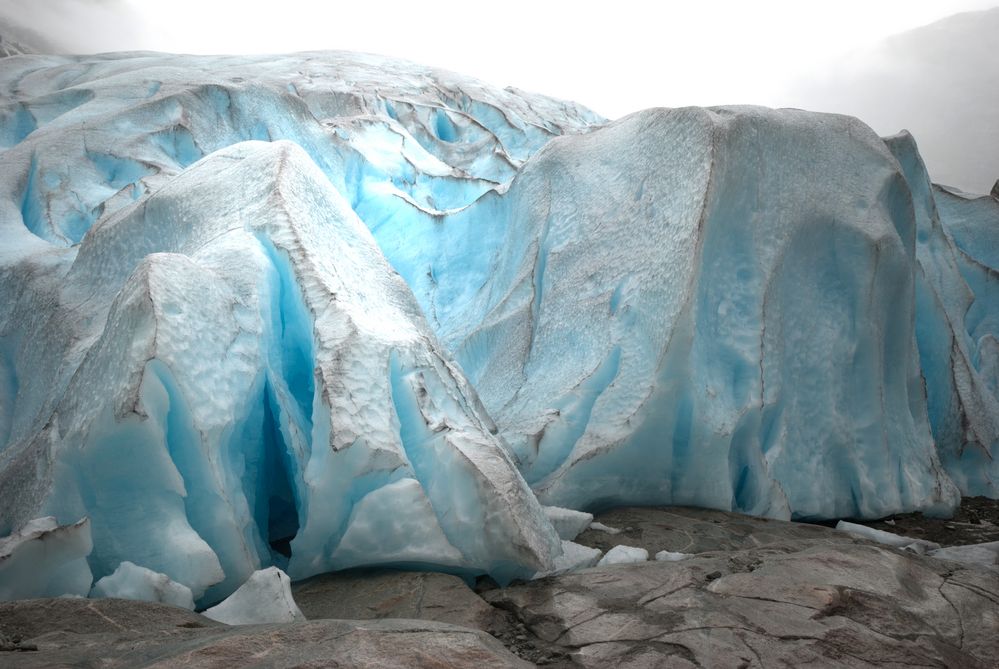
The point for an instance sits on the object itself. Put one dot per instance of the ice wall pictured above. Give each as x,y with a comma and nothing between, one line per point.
264,377
327,309
714,308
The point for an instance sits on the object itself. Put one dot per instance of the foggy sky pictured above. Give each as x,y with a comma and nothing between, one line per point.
940,82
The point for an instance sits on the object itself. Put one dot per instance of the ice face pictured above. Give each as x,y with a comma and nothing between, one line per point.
652,330
329,310
956,322
271,387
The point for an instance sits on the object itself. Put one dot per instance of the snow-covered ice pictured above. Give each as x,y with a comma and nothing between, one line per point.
130,581
622,554
264,598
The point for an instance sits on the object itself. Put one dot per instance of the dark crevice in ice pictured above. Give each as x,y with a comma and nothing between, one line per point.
277,512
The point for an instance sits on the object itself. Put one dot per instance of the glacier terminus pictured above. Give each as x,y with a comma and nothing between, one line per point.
330,310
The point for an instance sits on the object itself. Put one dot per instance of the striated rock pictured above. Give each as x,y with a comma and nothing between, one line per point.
30,618
761,594
367,594
387,644
688,530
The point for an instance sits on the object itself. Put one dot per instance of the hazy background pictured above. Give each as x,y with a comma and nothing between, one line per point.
936,77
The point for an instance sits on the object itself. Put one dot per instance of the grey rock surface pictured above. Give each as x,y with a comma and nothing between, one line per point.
30,618
755,593
758,594
689,530
153,638
367,594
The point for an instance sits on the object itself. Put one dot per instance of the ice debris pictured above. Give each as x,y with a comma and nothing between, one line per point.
671,556
574,556
622,554
130,581
264,598
567,522
985,554
887,538
600,527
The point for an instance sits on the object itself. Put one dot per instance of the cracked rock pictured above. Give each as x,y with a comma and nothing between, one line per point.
759,593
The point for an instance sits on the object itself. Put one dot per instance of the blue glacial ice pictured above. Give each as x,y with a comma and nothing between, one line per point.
130,581
735,287
326,310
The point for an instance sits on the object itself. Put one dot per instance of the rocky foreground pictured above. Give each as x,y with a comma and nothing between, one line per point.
752,593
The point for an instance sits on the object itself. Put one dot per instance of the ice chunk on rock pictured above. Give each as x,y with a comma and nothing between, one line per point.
622,554
985,555
45,559
574,556
671,556
264,598
600,527
130,581
567,522
886,538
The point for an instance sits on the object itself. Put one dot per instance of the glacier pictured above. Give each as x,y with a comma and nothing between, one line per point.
326,310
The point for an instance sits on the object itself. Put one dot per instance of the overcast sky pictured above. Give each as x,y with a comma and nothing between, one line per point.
617,56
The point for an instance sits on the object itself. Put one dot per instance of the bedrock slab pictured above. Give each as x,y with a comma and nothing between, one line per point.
759,594
142,634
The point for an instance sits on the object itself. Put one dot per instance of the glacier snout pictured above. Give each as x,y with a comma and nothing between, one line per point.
326,310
